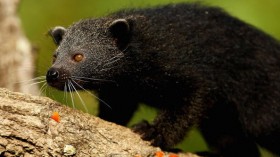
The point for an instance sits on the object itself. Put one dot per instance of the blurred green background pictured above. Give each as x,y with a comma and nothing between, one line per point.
38,16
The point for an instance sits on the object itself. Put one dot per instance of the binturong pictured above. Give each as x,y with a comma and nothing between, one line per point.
198,65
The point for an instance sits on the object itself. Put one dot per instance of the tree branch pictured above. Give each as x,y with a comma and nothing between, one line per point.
26,129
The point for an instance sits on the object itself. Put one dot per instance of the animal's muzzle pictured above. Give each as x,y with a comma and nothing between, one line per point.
52,75
57,77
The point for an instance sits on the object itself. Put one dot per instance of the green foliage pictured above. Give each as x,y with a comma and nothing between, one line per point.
39,16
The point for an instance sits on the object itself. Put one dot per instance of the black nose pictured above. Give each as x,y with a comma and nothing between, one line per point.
52,75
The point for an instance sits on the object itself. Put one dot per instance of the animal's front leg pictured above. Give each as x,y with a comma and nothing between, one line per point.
116,106
170,126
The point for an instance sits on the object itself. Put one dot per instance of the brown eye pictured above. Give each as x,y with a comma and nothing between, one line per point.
78,57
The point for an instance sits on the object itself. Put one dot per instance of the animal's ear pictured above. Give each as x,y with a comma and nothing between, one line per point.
57,34
120,30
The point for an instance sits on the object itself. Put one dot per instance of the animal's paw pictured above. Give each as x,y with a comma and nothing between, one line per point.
149,132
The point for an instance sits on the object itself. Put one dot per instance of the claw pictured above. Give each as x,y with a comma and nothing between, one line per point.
149,132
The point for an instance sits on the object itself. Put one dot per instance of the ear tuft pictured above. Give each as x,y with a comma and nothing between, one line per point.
57,34
120,30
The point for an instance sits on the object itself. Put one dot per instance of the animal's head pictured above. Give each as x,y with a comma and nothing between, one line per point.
89,53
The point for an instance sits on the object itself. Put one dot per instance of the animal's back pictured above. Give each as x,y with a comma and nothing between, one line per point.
235,57
237,63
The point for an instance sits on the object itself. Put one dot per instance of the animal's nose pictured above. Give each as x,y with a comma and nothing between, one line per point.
52,75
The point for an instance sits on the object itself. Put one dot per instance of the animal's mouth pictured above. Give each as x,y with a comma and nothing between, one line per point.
57,85
62,80
67,85
57,78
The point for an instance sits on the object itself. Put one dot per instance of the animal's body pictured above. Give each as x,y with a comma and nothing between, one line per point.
197,64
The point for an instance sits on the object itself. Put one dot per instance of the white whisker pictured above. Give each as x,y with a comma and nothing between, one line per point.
83,103
64,91
73,104
94,95
43,87
34,79
109,68
36,83
46,88
91,79
112,60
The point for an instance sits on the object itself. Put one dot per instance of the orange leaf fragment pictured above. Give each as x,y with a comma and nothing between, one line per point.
159,154
173,155
55,116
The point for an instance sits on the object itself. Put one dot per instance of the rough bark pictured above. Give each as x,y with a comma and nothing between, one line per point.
16,61
26,129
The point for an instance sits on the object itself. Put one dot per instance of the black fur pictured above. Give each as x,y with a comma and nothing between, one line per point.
197,64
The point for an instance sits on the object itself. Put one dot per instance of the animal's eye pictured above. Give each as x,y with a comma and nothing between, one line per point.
54,58
78,57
